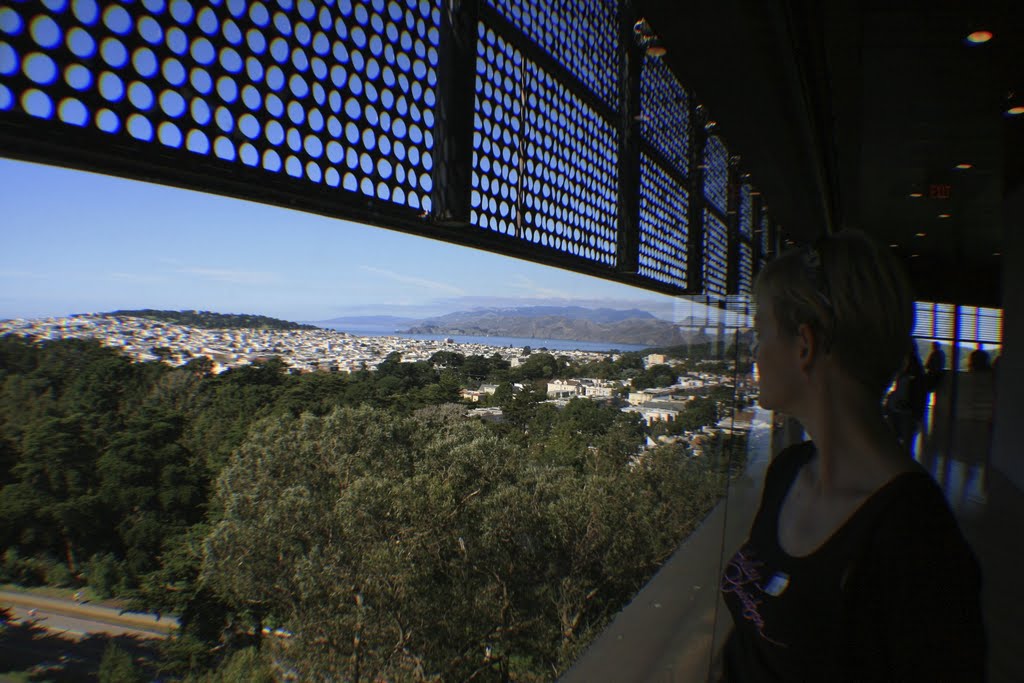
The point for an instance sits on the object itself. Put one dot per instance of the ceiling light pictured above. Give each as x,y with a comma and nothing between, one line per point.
979,37
894,246
922,234
656,51
996,253
917,195
1015,111
945,215
914,255
964,167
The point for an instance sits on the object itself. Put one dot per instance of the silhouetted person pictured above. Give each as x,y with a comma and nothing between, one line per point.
935,367
905,404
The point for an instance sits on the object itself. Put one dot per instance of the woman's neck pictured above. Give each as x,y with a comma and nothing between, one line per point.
856,449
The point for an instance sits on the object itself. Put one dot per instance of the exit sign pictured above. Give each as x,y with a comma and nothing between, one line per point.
940,191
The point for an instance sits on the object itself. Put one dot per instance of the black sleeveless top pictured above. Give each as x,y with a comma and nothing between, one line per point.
893,594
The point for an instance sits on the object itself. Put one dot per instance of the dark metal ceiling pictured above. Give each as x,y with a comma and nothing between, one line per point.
842,109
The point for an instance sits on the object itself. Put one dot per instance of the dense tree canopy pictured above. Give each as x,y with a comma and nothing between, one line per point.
394,537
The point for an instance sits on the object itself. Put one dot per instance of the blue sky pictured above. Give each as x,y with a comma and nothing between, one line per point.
75,242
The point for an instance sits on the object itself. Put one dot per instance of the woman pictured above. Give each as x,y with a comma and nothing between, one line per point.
855,568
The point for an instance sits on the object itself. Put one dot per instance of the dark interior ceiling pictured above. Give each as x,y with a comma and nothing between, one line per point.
842,109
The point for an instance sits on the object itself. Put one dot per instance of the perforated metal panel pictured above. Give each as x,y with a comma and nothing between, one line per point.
745,272
341,95
664,211
715,246
334,106
746,211
562,27
716,173
665,114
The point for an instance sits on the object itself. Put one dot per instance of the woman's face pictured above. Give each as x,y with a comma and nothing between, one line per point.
777,357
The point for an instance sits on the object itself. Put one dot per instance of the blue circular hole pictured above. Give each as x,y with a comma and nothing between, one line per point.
274,133
181,10
200,111
332,177
172,103
44,31
251,97
296,114
297,84
253,69
293,167
338,75
73,112
335,152
10,21
275,78
279,50
316,120
117,19
150,30
202,51
369,139
107,121
111,87
201,80
173,72
299,60
352,108
282,23
177,41
227,89
230,60
349,182
274,105
225,121
224,149
232,32
40,68
313,146
303,34
366,163
384,168
75,75
255,40
352,133
248,154
114,52
140,95
86,11
272,160
139,127
144,62
168,134
355,85
197,142
207,21
366,187
321,44
249,126
294,139
81,43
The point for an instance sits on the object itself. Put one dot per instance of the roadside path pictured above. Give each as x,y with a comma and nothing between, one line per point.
77,619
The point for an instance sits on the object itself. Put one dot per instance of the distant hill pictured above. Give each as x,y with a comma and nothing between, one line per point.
214,321
573,323
371,321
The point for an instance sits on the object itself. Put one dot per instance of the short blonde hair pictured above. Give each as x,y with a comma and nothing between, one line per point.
856,297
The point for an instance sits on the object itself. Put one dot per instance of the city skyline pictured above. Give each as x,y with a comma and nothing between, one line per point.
77,242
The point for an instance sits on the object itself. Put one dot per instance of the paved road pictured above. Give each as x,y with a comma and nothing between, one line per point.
76,620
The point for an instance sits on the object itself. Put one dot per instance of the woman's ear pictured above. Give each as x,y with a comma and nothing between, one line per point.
807,346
